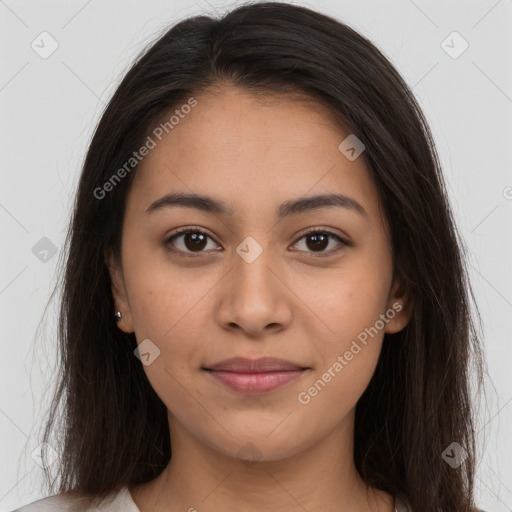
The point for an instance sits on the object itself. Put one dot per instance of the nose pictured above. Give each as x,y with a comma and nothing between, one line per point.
255,298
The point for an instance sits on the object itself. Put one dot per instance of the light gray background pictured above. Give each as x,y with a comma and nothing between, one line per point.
50,107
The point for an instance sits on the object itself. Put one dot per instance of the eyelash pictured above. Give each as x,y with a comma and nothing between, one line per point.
315,231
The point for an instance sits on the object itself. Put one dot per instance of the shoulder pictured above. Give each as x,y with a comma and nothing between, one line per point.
114,502
59,502
401,505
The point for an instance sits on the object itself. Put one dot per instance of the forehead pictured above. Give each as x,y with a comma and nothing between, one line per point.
251,151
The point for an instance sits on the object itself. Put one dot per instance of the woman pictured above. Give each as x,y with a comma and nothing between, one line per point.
266,305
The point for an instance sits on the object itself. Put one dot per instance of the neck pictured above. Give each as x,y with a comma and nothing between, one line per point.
321,477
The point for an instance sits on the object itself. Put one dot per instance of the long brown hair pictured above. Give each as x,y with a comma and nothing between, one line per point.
110,427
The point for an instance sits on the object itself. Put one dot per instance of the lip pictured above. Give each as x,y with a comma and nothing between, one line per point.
260,365
255,376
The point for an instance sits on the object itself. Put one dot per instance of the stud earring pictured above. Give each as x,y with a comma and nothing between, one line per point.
117,316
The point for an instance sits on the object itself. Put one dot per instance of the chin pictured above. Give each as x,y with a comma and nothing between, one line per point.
259,445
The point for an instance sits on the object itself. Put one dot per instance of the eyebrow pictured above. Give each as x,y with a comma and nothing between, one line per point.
286,209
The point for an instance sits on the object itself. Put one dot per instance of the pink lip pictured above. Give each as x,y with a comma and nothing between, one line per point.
255,383
261,365
255,376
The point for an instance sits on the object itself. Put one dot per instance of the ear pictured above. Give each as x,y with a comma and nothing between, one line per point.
119,293
400,302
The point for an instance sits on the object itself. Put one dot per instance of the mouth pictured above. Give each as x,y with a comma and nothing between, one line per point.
255,376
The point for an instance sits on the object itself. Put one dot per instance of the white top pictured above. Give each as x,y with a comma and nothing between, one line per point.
123,502
60,503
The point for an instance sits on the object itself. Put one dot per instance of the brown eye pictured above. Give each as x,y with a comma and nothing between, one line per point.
188,240
192,240
318,240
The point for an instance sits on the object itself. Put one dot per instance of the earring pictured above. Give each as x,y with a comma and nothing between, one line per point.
117,316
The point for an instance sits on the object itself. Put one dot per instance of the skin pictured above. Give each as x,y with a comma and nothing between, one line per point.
291,302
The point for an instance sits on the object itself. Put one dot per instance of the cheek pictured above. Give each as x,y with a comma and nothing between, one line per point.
350,304
347,357
329,397
174,320
172,307
164,296
169,318
351,297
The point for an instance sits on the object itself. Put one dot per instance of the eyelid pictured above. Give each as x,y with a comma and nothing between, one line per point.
184,230
324,229
343,241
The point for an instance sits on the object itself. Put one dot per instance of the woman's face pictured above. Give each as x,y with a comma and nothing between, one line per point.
250,283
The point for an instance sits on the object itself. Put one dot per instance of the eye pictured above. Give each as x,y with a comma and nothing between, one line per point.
195,240
318,239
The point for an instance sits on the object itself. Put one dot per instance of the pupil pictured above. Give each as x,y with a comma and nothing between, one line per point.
198,241
322,244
